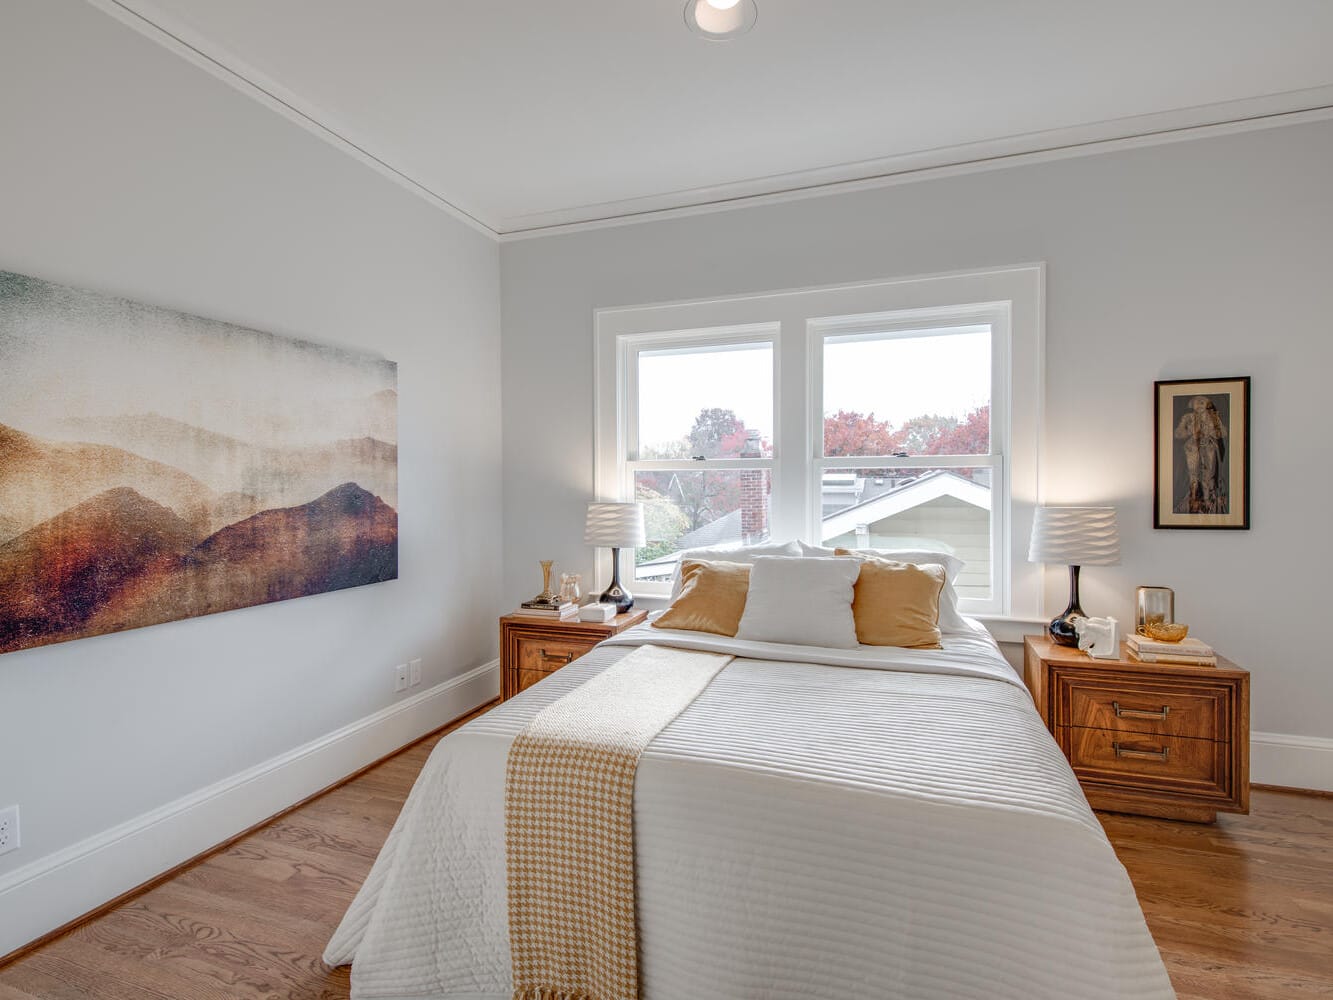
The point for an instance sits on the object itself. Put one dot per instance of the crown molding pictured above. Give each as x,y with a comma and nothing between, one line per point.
1177,125
948,161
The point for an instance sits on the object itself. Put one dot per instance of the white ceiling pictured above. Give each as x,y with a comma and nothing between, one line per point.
534,113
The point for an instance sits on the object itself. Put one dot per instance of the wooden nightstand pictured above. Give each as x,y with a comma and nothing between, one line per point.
531,648
1156,739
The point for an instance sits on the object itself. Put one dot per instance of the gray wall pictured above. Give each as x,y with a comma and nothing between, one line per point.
129,171
1203,258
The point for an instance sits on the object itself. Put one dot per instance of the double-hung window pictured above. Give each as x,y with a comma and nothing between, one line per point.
910,424
899,414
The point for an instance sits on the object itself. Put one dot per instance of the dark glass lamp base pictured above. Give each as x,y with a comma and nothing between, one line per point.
1062,628
619,596
616,594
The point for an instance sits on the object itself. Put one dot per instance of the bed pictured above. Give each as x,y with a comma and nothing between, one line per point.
818,823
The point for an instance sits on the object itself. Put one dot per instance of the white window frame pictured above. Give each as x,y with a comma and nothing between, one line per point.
628,458
1010,299
934,321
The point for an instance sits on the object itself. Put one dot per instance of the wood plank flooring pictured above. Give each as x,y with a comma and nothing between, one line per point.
1241,911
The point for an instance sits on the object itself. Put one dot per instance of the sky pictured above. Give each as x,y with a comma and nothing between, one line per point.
69,353
895,378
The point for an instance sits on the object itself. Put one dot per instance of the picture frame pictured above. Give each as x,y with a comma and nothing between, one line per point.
1201,453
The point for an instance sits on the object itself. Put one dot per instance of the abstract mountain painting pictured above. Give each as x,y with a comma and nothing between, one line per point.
156,466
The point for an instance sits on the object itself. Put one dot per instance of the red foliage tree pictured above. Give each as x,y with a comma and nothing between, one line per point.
849,433
717,433
969,436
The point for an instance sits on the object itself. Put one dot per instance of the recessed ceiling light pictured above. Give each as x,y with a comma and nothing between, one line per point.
720,19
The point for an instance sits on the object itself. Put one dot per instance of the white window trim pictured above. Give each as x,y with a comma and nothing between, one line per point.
995,316
796,321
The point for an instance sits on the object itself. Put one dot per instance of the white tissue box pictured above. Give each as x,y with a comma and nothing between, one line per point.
597,612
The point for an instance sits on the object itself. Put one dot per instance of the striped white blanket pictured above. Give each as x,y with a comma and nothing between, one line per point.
803,830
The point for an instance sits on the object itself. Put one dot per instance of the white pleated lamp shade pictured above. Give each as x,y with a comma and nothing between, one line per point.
615,525
1075,536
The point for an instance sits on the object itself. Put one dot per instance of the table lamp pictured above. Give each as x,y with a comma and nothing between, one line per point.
615,526
1073,536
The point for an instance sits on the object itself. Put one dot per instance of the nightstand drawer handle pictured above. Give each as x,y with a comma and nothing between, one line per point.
1122,751
557,657
1139,713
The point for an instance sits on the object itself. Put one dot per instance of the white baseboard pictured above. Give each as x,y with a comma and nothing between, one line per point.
60,887
1291,761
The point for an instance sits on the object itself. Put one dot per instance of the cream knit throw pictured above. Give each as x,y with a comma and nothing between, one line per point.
569,824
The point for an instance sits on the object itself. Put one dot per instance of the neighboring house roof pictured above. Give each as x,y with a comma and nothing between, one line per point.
726,530
929,487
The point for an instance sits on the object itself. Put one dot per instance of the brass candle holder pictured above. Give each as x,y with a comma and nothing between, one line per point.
547,596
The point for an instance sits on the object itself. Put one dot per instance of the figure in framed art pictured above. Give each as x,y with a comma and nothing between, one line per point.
1202,452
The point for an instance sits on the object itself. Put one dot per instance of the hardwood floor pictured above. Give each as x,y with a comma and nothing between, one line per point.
1242,910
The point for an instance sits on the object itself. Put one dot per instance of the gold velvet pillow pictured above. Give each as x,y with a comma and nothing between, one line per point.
711,598
896,603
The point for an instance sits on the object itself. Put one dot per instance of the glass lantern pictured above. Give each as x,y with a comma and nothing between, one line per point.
571,587
1154,605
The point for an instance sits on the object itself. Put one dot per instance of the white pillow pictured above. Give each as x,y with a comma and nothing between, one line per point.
815,550
737,554
951,619
917,557
806,601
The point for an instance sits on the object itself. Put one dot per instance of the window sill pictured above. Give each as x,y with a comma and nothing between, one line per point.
1007,628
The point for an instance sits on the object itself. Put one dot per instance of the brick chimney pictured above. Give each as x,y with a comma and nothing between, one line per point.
754,493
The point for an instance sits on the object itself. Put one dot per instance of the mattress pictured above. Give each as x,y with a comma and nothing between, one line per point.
817,824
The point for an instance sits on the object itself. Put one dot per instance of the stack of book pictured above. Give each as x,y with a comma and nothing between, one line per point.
549,609
1188,650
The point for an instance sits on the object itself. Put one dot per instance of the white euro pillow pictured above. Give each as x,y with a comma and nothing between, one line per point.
951,619
805,601
917,557
735,553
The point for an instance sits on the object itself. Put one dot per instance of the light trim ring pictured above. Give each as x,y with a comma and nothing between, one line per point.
720,20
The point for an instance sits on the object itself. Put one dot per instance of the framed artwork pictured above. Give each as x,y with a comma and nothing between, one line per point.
157,466
1201,437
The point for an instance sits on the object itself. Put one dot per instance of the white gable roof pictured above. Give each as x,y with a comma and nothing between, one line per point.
928,487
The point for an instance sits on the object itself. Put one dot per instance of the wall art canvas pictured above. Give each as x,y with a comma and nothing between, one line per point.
156,466
1202,445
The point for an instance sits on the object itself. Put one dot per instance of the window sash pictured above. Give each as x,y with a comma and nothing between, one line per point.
682,342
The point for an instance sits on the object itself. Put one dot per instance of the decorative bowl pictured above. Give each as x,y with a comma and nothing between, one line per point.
1166,631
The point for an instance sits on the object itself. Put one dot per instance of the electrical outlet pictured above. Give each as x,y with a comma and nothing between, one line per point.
414,667
400,677
9,829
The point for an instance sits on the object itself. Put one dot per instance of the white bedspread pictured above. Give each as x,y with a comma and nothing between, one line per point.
803,830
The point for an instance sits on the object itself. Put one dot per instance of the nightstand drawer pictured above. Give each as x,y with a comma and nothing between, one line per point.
1111,757
544,654
1200,711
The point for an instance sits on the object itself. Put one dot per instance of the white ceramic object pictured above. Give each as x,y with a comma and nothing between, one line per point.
1099,637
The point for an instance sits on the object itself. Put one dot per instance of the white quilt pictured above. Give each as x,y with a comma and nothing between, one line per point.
803,830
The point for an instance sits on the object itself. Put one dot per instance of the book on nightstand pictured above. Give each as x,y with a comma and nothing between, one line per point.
554,611
1187,651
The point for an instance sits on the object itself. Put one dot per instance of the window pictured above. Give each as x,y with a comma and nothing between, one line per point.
698,452
871,415
912,445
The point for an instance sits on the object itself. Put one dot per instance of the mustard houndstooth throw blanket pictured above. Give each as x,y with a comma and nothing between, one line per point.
569,824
